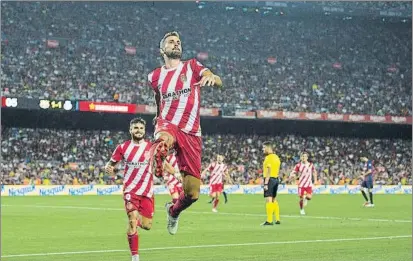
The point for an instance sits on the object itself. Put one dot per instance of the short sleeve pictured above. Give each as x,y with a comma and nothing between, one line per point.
117,155
198,69
153,78
297,168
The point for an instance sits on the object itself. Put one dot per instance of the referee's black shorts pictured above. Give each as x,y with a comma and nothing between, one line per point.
272,188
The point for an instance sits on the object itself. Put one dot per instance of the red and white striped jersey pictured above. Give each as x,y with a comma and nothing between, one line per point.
171,180
180,102
217,172
306,174
137,175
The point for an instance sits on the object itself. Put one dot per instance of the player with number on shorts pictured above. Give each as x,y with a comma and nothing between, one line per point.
137,182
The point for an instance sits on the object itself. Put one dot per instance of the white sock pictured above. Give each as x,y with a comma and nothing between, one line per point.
135,258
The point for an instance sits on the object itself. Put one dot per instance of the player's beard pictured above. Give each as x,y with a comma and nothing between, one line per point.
174,54
135,138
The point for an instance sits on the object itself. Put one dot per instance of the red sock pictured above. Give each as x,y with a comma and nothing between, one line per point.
181,204
301,204
216,201
133,243
174,200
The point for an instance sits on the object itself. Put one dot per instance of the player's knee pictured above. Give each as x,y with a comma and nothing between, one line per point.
193,194
146,224
132,229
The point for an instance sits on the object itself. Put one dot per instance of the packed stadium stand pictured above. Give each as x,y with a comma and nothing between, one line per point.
47,156
104,51
313,64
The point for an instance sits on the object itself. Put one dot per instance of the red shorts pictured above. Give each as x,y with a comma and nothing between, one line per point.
175,189
144,205
188,148
216,188
301,191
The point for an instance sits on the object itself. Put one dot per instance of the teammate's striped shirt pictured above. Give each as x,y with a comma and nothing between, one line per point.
217,172
180,100
171,180
137,176
306,174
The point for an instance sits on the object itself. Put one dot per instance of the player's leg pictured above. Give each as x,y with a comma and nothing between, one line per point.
216,201
175,196
276,206
269,205
164,140
225,196
189,162
210,194
192,186
308,195
301,200
363,192
132,233
140,212
370,190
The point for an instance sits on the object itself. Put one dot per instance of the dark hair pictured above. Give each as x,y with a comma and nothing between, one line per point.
137,120
268,144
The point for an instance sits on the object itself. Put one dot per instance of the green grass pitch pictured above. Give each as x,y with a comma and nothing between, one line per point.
85,228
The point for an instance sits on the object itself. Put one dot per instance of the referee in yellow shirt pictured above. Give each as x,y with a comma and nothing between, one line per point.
271,168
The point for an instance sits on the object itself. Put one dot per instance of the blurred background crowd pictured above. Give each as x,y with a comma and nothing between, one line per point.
279,61
310,63
47,156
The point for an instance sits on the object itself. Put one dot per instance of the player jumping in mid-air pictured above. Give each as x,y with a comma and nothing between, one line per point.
270,170
367,184
172,177
306,172
137,182
177,87
218,171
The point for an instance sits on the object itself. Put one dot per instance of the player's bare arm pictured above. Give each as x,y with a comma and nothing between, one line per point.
203,174
168,167
315,176
209,79
293,175
110,167
158,102
228,177
267,178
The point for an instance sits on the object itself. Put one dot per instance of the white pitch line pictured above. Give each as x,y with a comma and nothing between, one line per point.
220,213
214,246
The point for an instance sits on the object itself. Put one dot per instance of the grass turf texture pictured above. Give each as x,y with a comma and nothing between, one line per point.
336,227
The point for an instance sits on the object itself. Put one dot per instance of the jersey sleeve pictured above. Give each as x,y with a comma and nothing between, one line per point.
117,154
297,168
210,167
277,163
197,69
265,166
153,80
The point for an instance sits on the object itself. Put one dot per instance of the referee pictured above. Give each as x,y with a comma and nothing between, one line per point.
271,168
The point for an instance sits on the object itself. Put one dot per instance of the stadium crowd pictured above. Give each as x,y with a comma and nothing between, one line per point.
316,64
47,156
